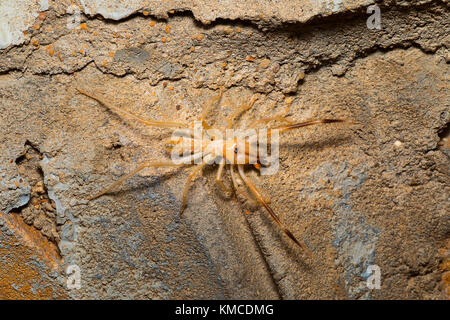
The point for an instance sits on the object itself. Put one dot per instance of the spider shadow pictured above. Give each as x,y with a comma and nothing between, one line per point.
294,253
322,143
144,183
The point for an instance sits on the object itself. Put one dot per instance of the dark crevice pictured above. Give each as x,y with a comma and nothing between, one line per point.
444,142
40,210
292,30
23,157
444,133
271,25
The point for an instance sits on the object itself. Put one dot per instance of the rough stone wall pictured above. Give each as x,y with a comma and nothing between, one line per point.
372,193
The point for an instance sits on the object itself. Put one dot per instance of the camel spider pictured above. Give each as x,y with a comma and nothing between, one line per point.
223,151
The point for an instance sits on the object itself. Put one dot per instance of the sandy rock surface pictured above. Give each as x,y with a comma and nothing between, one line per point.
373,193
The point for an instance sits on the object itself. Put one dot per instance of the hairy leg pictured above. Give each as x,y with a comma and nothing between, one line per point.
187,185
266,120
185,144
209,106
259,196
152,123
292,126
233,178
219,177
229,120
306,123
281,118
237,187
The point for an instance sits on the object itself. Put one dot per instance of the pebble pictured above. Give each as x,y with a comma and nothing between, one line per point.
39,187
264,63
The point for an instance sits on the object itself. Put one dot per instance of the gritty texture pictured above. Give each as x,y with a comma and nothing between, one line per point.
375,192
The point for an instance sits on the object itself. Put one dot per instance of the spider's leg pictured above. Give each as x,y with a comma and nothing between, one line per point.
152,123
266,120
209,105
257,166
182,144
186,139
233,178
219,177
243,108
237,188
135,171
187,185
281,117
259,196
305,124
